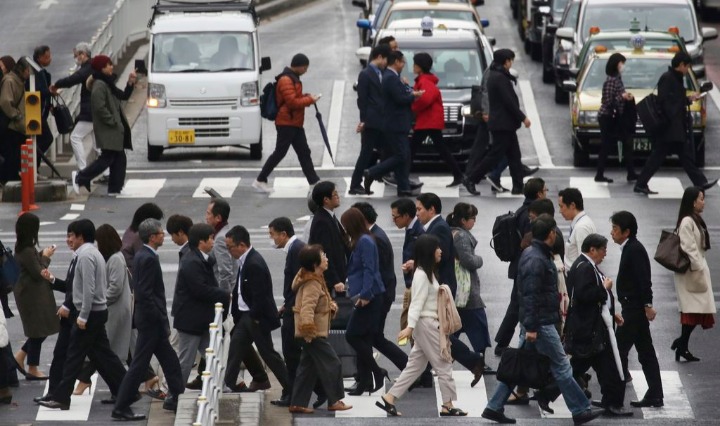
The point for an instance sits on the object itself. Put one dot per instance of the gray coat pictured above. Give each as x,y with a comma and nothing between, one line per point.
465,244
225,268
34,295
119,302
112,131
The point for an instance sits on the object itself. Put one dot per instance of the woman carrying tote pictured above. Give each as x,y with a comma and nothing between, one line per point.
693,287
423,326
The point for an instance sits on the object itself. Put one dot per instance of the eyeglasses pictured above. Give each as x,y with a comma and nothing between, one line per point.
396,216
159,233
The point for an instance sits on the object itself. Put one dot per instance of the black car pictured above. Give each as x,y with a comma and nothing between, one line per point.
559,57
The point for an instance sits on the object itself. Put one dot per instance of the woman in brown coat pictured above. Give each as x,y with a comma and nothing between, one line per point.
314,308
33,295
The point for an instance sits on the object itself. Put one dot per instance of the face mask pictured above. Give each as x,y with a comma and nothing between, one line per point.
78,61
621,67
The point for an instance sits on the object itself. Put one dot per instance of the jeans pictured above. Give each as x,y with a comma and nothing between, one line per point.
548,343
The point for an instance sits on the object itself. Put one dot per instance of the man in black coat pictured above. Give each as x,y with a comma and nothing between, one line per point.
196,294
43,57
371,103
634,290
676,136
255,315
505,118
327,231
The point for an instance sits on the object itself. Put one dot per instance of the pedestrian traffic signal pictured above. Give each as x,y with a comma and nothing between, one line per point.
33,114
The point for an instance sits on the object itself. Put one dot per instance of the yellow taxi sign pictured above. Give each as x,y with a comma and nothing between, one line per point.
674,30
594,30
600,49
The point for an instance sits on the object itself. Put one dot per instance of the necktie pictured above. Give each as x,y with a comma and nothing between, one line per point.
379,75
71,268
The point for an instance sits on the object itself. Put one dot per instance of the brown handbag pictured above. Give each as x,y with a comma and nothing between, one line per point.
669,253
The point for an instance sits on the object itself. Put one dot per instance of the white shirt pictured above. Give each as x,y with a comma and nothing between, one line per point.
242,306
622,246
289,244
580,228
151,249
427,225
204,255
412,223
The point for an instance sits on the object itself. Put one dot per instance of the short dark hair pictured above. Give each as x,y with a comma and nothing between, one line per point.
299,60
321,191
282,224
395,56
238,234
680,58
199,232
39,51
108,240
593,241
86,229
404,206
367,210
532,187
461,211
177,223
310,256
386,40
625,220
611,68
220,207
424,61
382,50
146,211
572,195
428,200
501,56
542,206
543,225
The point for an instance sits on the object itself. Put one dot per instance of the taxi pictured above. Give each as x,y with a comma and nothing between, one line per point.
434,9
643,69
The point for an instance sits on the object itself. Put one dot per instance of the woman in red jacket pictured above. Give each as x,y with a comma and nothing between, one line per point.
430,116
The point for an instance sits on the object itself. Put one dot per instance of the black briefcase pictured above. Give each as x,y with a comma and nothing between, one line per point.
63,119
650,114
524,367
345,310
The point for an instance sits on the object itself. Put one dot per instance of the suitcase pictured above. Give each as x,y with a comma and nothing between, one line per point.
344,351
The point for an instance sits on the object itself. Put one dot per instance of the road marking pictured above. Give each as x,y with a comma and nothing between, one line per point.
79,406
46,4
224,186
560,408
472,400
77,207
333,122
363,405
231,170
142,188
290,187
438,186
590,188
676,406
715,96
536,130
666,188
378,188
70,216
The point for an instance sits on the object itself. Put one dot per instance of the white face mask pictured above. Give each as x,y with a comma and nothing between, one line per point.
621,67
78,61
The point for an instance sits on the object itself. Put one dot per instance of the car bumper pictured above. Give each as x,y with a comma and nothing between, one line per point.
212,127
459,137
588,140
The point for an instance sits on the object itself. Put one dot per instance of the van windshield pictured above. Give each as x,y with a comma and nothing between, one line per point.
652,17
203,52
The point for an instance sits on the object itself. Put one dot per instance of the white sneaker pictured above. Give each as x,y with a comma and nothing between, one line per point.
73,180
263,187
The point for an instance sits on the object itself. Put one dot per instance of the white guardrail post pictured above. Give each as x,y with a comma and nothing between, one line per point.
208,402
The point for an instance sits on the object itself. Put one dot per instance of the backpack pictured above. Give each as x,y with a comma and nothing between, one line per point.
505,237
268,102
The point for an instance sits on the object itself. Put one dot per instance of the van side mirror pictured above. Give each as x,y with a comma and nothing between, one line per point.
265,64
709,33
565,33
485,23
569,86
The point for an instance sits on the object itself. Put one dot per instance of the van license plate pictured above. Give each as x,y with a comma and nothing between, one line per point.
642,144
181,137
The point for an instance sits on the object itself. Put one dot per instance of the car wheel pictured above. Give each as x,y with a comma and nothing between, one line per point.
536,51
154,152
256,150
580,158
561,97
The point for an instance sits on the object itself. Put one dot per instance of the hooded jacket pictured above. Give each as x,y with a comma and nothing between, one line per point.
12,103
314,308
428,108
291,100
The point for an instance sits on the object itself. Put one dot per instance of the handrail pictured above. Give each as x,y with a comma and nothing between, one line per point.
208,402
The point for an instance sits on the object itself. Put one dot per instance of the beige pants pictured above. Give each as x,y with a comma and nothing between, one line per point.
426,349
405,307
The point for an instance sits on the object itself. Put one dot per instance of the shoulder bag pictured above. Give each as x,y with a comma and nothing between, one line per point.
345,310
63,119
590,346
650,114
669,253
524,367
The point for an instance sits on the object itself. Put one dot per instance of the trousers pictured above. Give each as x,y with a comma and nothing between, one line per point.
660,150
188,346
370,141
116,161
636,332
504,143
438,143
397,148
389,349
288,136
318,363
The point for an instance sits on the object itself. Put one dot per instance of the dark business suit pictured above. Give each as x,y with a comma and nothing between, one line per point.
63,340
256,324
151,320
371,104
634,289
397,126
327,231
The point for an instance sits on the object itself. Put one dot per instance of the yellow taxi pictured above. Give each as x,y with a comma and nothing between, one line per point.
640,76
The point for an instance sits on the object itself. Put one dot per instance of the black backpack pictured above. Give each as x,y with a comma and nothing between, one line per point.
505,237
268,102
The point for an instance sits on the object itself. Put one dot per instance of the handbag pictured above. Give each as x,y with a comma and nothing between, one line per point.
464,282
650,114
63,119
524,367
9,270
669,253
590,347
345,309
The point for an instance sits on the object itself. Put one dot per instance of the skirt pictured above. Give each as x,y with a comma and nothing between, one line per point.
704,320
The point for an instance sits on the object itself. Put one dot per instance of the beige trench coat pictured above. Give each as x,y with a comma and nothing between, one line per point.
698,276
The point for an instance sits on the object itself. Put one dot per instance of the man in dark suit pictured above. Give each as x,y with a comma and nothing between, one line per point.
371,103
151,320
327,231
255,315
634,290
397,125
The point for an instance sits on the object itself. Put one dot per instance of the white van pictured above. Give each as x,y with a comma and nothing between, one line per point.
203,78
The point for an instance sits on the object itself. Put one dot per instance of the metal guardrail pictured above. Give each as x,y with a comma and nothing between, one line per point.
209,400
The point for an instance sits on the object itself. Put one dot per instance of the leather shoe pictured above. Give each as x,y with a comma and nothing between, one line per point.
170,403
648,402
588,416
404,193
709,185
283,401
256,386
470,186
416,185
339,406
516,191
529,171
497,416
618,412
240,387
359,191
196,384
47,397
55,405
603,179
296,409
454,183
367,181
598,404
644,190
127,414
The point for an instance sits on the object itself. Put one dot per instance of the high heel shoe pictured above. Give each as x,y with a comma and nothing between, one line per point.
81,387
380,379
361,389
686,354
674,344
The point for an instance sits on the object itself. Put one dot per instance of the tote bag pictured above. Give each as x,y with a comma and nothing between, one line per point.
669,253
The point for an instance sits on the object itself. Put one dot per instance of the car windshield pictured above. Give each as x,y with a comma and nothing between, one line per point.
203,52
572,15
436,14
639,73
455,68
657,17
559,5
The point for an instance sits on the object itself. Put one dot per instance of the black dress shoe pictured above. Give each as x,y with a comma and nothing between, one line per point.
598,404
416,185
603,179
127,415
320,401
543,403
516,191
709,185
367,181
170,403
588,416
404,193
43,398
648,402
359,191
618,412
644,190
283,401
528,171
470,186
632,177
196,384
55,405
454,183
497,417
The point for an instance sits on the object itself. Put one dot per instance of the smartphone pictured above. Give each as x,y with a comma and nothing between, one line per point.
54,246
702,95
140,67
403,341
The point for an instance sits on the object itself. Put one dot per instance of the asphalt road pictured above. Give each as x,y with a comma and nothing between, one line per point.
326,33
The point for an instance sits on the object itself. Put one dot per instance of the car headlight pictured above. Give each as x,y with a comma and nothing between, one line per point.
156,96
466,111
588,118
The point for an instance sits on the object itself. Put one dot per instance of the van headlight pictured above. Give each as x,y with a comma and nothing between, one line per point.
588,118
466,111
156,96
249,94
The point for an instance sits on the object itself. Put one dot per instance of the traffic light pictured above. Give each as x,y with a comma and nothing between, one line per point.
33,114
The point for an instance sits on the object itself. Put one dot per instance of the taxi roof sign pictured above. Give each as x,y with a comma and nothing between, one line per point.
427,25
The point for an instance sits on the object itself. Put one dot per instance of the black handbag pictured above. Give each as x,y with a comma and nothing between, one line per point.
345,309
586,345
63,119
669,253
524,367
650,114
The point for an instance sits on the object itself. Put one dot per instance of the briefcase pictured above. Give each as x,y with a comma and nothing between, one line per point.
346,353
651,117
524,367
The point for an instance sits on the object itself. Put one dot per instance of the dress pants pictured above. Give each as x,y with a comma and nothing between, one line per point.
32,347
318,364
504,143
288,136
10,368
397,147
370,141
10,143
660,150
189,345
361,330
292,351
440,146
611,387
152,339
480,147
512,315
245,333
93,343
610,135
60,352
390,350
475,326
636,332
426,349
116,161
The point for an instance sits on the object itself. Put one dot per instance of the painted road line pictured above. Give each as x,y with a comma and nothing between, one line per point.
77,207
79,406
224,186
560,408
437,185
232,169
290,187
667,188
715,96
676,406
378,190
333,122
471,400
590,188
142,188
70,216
536,130
363,405
506,182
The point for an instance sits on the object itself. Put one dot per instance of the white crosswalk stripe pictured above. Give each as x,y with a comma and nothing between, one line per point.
142,188
224,186
363,405
471,400
677,405
590,188
79,406
290,187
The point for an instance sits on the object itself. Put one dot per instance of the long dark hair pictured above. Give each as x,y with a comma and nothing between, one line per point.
687,209
354,223
108,241
26,231
461,211
425,247
146,211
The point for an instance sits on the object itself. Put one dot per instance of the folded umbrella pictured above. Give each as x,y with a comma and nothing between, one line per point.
324,132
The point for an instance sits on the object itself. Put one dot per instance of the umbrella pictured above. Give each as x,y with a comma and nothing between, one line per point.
324,132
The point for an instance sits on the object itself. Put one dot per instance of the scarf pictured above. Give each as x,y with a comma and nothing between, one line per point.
110,80
703,228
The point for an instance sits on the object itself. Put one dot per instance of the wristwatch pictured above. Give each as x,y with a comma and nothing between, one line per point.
648,305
